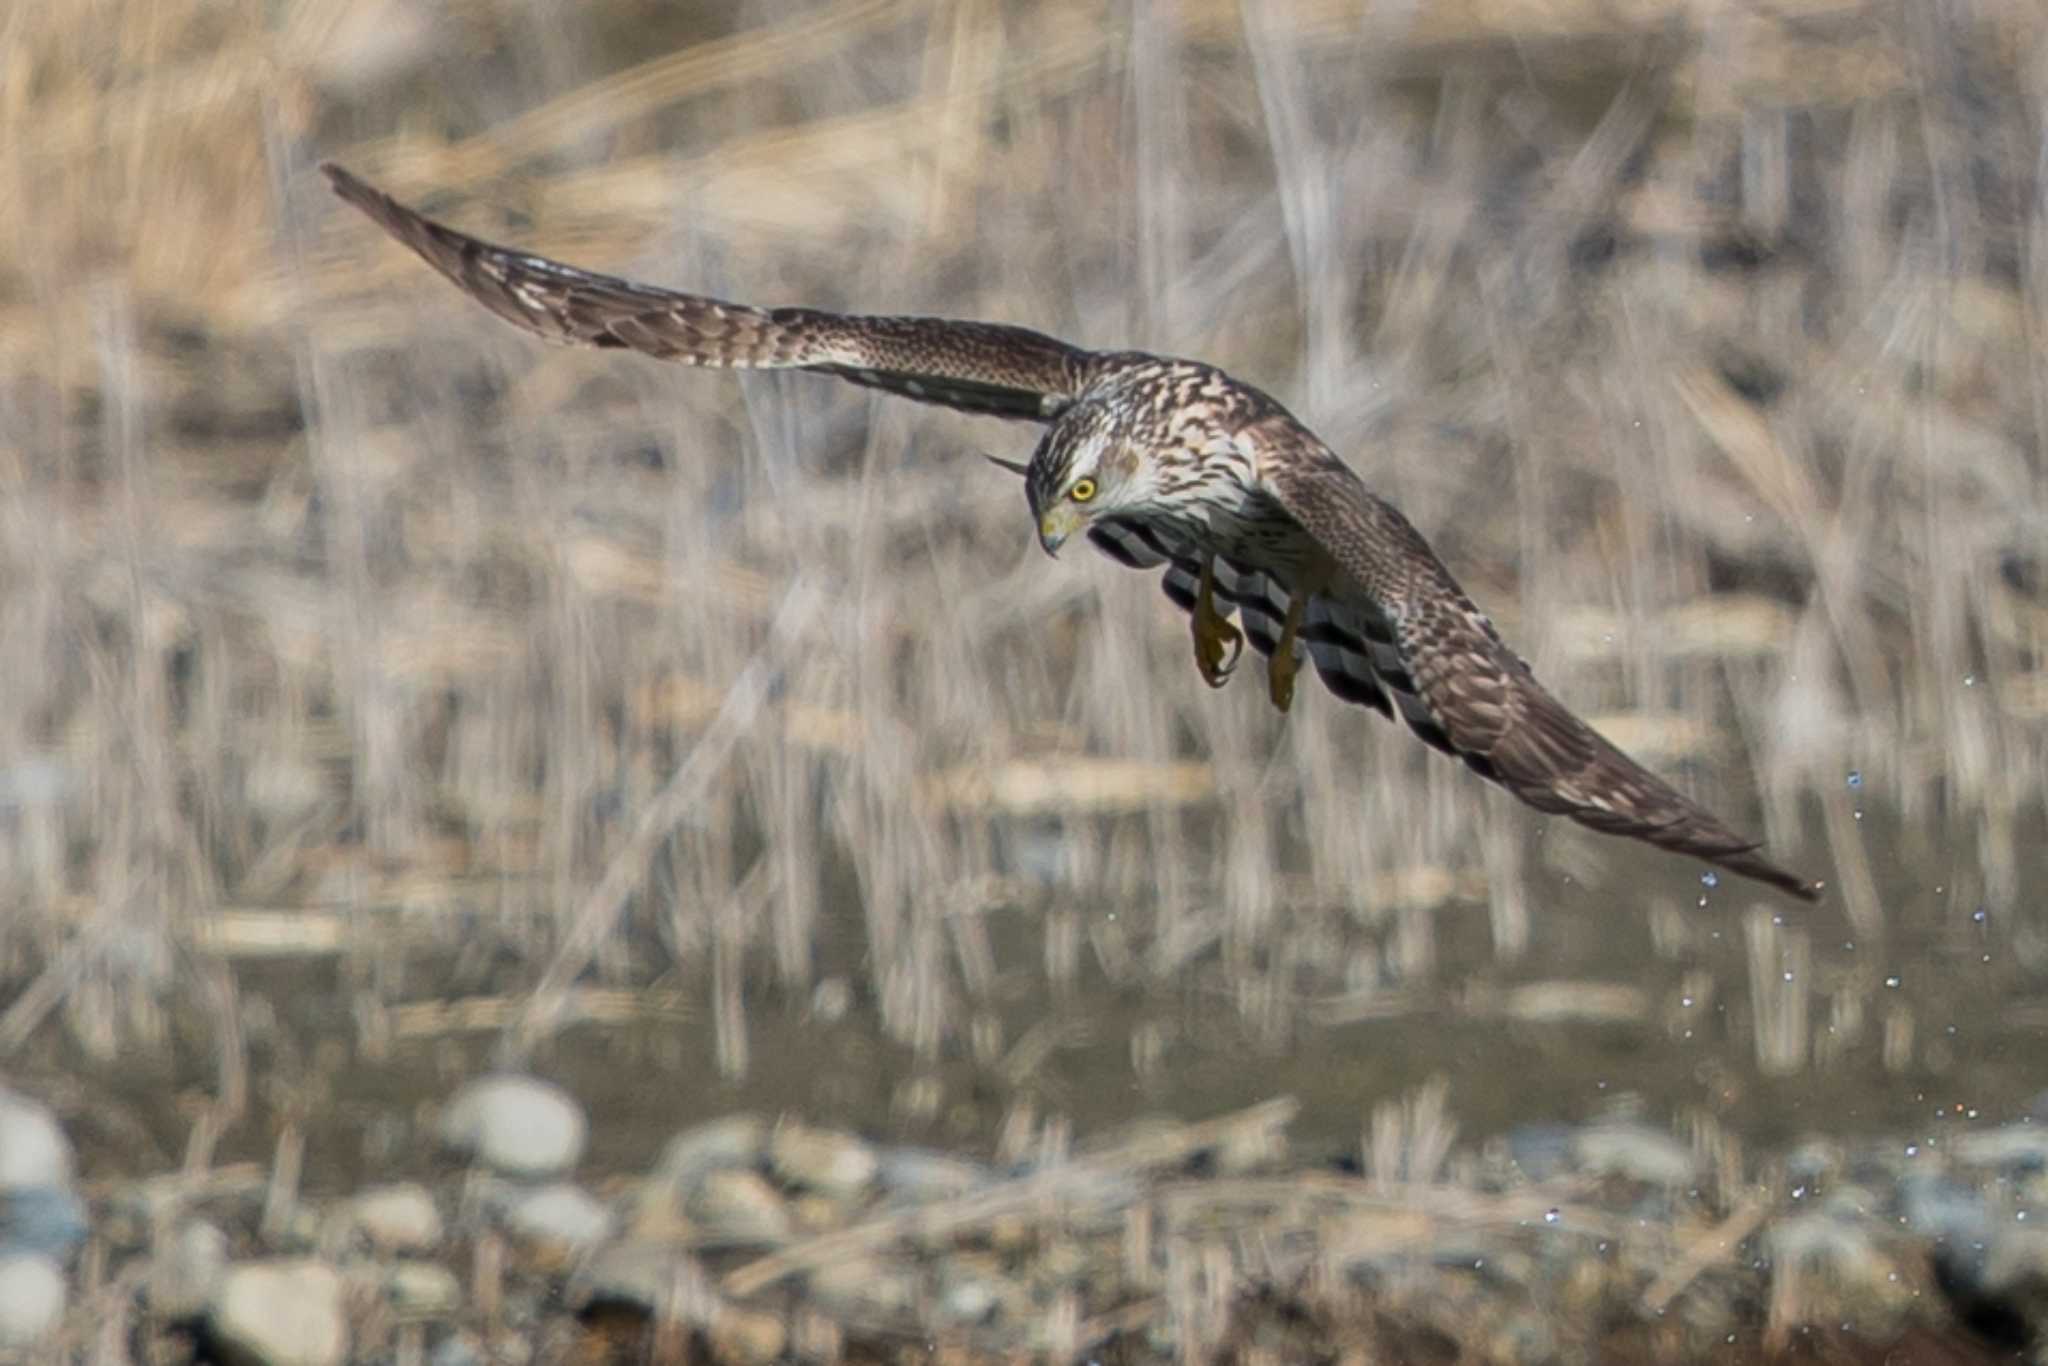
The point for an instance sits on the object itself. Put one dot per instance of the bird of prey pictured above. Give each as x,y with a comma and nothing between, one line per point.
1162,462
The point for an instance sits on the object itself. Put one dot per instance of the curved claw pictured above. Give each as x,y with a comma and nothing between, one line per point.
1210,647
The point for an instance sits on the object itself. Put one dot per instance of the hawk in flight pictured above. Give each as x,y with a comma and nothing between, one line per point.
1172,463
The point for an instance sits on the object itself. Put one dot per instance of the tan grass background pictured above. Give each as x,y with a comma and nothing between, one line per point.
1703,336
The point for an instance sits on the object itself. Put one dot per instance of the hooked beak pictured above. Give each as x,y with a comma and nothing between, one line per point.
1059,521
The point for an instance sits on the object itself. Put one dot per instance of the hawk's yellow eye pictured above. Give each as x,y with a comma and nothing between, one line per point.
1083,490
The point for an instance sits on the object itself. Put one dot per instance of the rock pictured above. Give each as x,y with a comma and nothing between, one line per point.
458,1349
740,1206
654,1277
1845,1259
31,1298
1634,1151
46,1219
915,1175
187,1269
968,1297
865,1288
2022,1147
560,1214
398,1218
1937,1207
281,1313
824,1160
516,1125
748,1335
33,1149
733,1141
422,1290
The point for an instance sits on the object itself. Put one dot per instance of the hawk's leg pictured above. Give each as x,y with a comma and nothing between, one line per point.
1213,633
1283,666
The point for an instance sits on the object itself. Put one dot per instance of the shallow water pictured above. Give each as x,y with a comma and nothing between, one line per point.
1940,1024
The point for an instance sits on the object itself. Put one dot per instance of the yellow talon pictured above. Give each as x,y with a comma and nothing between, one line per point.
1214,634
1283,666
1280,672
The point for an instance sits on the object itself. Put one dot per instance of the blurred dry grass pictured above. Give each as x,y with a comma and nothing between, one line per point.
1701,334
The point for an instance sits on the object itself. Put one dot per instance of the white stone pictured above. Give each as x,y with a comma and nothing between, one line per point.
824,1160
399,1218
419,1290
33,1149
282,1313
31,1298
559,1213
730,1141
516,1125
1636,1152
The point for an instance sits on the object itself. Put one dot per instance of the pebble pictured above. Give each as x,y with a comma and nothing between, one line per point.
459,1349
281,1313
968,1298
1841,1250
732,1141
1636,1152
519,1126
398,1218
915,1175
561,1214
740,1206
33,1150
749,1335
46,1219
31,1298
1937,1207
863,1287
421,1290
187,1270
2019,1146
824,1160
645,1275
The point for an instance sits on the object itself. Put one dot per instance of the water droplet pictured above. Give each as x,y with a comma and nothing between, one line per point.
1859,815
1912,1150
1788,976
1685,1001
2020,1215
1892,982
1855,777
1980,915
1799,1192
1550,1216
1969,680
1710,878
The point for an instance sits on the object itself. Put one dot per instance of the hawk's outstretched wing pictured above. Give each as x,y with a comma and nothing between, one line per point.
1448,673
980,367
